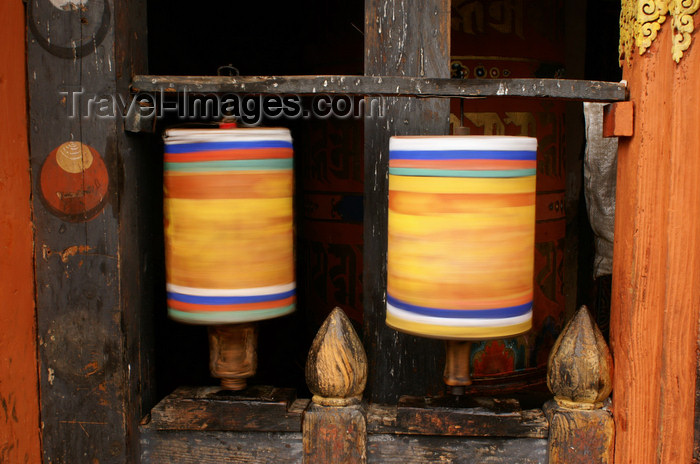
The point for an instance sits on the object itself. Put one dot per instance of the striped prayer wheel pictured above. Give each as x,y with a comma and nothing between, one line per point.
229,237
461,239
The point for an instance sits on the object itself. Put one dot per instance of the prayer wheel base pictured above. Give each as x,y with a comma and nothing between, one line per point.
233,354
456,376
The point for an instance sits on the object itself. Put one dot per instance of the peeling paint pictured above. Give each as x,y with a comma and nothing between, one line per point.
46,252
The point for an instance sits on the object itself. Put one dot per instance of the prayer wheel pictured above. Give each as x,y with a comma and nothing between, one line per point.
229,236
461,238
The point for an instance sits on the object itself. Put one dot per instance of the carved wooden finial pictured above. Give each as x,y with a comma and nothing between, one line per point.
336,369
580,365
232,354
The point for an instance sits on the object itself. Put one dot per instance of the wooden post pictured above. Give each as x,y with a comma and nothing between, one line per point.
334,427
96,236
581,429
655,302
401,39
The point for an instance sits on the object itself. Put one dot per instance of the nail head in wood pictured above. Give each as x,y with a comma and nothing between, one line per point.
580,365
336,368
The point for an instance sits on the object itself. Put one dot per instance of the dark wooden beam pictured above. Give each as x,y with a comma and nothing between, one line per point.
389,85
93,202
406,449
210,447
467,417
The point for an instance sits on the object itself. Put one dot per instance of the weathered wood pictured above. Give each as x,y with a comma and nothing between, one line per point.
408,39
19,399
336,367
392,449
256,409
140,225
233,354
618,120
335,434
92,237
656,269
580,364
334,427
464,417
390,85
579,374
219,447
580,436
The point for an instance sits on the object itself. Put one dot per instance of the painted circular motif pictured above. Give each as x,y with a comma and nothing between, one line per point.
74,182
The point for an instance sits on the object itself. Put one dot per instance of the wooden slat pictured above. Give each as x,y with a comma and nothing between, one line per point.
259,409
483,417
219,447
389,85
140,227
399,364
393,449
210,447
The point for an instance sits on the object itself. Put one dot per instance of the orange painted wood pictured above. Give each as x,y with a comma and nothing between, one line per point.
656,268
618,119
678,375
19,400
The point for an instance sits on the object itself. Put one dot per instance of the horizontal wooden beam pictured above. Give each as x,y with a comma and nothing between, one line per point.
214,447
463,417
565,89
407,449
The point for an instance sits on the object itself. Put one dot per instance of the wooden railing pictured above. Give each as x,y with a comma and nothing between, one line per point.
267,424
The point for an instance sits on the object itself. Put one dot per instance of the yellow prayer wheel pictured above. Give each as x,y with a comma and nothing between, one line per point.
228,224
461,236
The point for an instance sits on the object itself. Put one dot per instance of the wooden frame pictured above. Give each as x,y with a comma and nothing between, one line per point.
93,291
395,86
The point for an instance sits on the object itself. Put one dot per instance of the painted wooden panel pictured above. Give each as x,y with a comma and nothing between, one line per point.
19,400
90,209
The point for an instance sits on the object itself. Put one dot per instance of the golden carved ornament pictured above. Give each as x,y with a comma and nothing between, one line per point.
682,12
641,20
